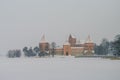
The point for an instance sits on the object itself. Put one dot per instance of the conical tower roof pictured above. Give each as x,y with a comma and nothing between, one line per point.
43,39
89,40
72,36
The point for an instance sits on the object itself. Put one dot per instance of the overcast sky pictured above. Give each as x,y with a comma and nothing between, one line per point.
23,22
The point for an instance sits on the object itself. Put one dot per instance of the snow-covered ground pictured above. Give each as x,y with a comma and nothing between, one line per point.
59,68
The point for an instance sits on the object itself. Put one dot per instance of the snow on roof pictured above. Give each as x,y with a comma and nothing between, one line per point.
73,36
77,47
89,40
66,43
43,39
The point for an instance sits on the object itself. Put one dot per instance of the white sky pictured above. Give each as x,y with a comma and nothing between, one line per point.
23,22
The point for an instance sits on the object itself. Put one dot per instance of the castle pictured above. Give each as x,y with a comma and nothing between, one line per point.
70,47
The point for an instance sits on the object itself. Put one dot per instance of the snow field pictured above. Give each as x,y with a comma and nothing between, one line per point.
59,68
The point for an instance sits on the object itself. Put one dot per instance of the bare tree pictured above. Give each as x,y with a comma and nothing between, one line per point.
53,46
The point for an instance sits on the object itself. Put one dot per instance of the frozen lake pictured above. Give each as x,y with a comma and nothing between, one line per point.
59,69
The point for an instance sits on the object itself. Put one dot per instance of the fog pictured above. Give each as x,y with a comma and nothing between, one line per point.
23,22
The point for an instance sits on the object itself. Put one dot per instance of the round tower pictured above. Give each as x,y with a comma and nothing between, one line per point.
44,45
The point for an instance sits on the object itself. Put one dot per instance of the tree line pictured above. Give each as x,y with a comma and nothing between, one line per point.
14,53
108,47
32,52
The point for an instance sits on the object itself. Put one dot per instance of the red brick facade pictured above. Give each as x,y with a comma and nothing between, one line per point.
71,47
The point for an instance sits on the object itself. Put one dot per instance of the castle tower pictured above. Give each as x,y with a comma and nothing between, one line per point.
43,45
72,41
67,49
89,46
